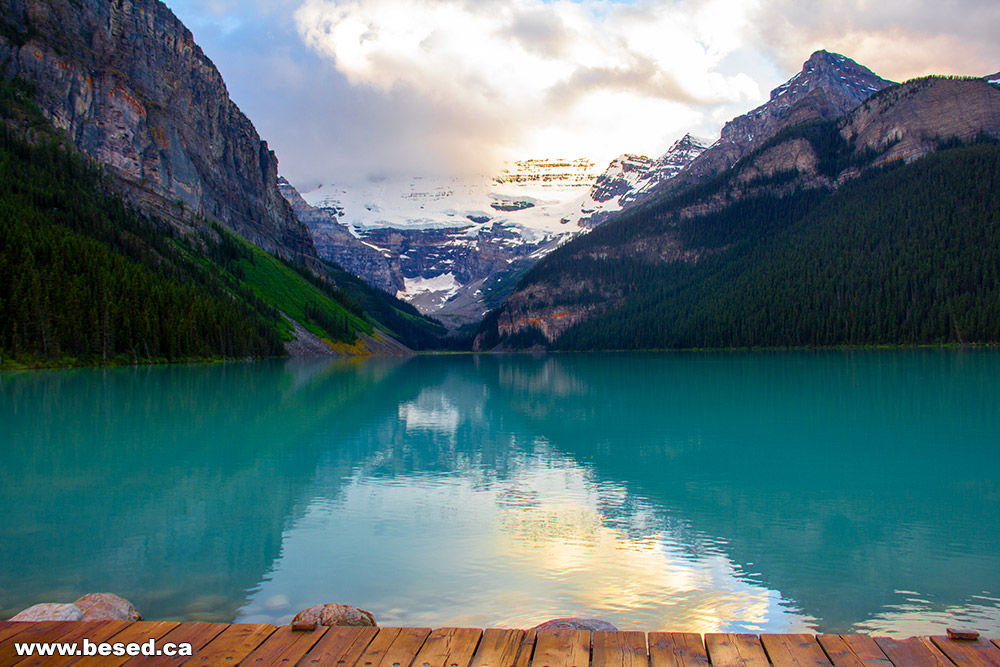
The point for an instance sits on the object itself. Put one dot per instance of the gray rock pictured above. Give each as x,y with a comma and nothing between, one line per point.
573,623
334,614
107,607
50,611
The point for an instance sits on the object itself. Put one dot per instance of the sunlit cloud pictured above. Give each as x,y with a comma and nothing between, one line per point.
347,89
528,71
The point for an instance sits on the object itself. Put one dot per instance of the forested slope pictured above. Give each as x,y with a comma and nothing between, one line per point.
908,254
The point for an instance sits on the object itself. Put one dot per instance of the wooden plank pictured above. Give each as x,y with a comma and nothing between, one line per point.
735,650
394,647
39,631
915,651
284,645
795,650
498,648
197,634
562,648
9,629
96,631
619,649
404,648
853,651
526,651
232,644
340,646
449,647
972,653
677,649
378,647
138,632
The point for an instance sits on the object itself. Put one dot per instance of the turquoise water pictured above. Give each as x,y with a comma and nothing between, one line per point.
828,491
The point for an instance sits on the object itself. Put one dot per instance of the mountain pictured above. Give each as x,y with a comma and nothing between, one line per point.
630,177
140,213
335,242
874,227
453,247
828,86
126,82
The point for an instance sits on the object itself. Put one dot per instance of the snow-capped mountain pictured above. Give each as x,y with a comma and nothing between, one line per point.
448,244
532,196
631,176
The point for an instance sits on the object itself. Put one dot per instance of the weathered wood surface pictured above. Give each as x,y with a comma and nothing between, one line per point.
252,645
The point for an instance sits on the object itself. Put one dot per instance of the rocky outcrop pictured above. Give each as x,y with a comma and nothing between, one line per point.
907,121
90,607
334,615
125,80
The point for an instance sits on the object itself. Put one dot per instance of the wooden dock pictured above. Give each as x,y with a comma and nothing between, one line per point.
247,644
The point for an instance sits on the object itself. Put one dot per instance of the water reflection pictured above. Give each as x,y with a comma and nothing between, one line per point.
702,492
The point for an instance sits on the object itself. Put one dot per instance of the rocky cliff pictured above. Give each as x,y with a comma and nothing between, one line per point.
128,84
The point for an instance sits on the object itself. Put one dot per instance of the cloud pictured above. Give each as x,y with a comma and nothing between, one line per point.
506,78
344,89
898,39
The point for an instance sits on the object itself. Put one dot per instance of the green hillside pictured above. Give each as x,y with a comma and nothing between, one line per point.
84,280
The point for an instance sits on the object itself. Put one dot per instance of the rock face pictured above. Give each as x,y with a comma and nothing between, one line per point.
906,121
126,81
334,614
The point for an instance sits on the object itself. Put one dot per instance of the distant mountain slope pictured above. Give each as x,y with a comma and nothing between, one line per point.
665,268
127,83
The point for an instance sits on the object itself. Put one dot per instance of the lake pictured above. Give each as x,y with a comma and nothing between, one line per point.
762,492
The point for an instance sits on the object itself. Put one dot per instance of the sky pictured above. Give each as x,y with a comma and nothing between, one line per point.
346,91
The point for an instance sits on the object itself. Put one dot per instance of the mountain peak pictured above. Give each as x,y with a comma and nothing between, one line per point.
832,72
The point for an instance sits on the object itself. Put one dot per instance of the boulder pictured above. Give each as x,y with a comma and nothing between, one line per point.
50,611
591,624
334,614
107,607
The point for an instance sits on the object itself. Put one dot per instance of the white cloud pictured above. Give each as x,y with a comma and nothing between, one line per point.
898,39
344,89
521,78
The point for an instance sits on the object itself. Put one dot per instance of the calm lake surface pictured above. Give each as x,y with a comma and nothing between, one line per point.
779,492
